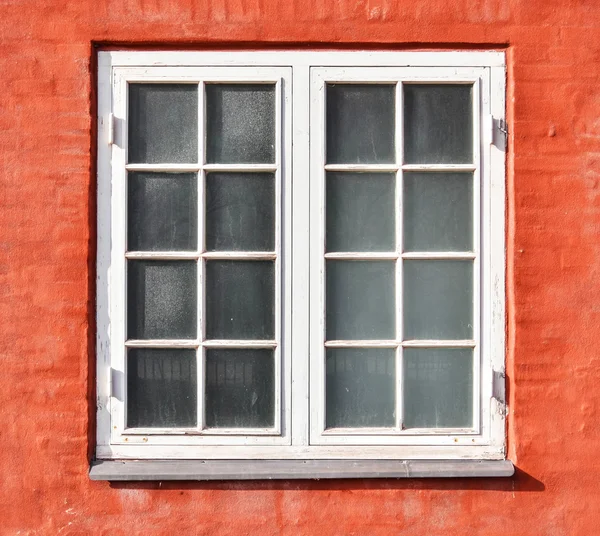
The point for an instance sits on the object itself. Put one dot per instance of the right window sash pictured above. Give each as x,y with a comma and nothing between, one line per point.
402,222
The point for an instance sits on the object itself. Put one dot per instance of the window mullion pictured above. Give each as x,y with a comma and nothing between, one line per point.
399,247
200,357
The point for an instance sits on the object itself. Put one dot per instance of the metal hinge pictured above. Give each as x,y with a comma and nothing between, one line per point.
493,125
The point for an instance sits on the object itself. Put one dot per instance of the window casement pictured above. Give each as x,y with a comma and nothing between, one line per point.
300,256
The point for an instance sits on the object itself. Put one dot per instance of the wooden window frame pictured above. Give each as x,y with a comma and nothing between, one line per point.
300,77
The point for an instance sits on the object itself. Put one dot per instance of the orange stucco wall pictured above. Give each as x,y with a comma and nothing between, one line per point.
47,249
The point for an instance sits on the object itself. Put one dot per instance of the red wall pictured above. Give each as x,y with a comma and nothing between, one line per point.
47,248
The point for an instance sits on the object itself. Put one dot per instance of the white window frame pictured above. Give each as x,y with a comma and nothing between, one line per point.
303,75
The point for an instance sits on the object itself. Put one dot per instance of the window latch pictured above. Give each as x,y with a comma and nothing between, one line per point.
111,129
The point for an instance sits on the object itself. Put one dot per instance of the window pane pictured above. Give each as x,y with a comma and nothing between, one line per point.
360,387
438,299
240,299
360,300
161,387
240,211
240,123
360,123
438,211
161,299
438,388
438,124
240,388
163,123
360,212
162,212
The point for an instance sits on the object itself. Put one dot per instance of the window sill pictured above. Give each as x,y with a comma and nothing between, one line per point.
129,470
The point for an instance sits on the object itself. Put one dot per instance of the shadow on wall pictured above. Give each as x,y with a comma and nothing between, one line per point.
521,481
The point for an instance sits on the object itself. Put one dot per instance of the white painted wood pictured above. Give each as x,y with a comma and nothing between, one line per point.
303,224
253,167
371,168
214,343
439,343
167,343
439,167
162,255
458,58
372,256
240,255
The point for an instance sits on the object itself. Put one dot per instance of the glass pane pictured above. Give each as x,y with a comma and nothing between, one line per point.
161,299
240,123
438,388
162,212
438,299
240,388
240,299
360,123
438,124
360,300
240,211
360,387
438,211
360,212
163,123
161,387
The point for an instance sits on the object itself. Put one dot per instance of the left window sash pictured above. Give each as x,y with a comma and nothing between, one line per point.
189,171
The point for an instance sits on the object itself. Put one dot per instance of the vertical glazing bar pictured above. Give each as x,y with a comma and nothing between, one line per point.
200,361
477,225
399,152
278,227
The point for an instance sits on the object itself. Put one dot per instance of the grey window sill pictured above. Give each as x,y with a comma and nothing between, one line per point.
129,470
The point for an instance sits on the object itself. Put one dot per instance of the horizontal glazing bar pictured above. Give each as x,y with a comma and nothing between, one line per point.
397,431
454,255
196,432
165,168
362,256
362,344
162,255
239,344
466,343
406,344
162,343
439,167
371,168
239,167
245,255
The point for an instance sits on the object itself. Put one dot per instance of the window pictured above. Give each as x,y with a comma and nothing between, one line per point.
300,255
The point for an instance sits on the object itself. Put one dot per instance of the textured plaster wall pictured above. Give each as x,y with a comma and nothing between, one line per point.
47,245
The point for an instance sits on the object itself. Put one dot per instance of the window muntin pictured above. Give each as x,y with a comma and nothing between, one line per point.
294,417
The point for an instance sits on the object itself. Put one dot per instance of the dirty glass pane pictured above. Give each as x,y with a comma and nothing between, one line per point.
360,212
163,123
438,124
360,123
360,387
438,211
240,123
162,212
438,299
438,388
240,300
360,300
161,299
161,387
240,388
240,211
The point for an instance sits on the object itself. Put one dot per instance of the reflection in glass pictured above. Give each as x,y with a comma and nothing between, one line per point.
438,388
438,124
240,212
360,212
360,387
161,299
360,300
438,299
360,123
163,123
438,211
161,387
240,388
162,212
240,123
240,300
